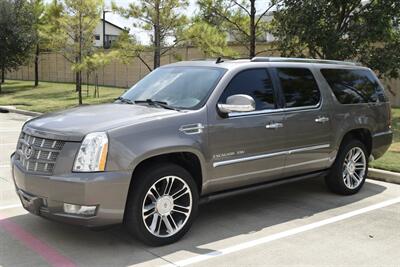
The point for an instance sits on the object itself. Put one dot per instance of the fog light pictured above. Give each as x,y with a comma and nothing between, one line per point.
79,210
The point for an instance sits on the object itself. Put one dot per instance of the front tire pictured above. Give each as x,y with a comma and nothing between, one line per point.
350,169
162,204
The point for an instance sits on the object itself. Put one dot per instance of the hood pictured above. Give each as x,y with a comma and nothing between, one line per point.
75,123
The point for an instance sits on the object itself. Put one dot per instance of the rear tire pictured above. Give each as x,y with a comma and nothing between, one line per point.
162,204
350,168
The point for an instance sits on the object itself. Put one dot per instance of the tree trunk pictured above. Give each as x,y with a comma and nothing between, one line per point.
79,86
37,65
3,71
252,29
76,76
87,83
2,76
157,41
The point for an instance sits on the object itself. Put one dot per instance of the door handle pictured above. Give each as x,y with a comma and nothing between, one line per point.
274,125
322,119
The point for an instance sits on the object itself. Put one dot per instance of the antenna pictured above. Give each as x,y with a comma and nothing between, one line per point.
219,60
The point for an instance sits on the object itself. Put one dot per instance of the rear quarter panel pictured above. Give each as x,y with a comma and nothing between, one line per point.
371,116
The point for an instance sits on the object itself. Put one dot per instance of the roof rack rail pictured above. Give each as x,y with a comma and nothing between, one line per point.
303,60
219,59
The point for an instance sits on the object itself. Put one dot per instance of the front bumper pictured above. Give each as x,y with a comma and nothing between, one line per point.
46,195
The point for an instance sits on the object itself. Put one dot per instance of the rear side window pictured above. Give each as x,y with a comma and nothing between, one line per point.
299,87
255,83
352,86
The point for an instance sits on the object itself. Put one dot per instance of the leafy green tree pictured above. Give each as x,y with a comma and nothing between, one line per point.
199,34
17,35
162,17
74,36
38,9
128,48
50,23
209,39
45,22
92,63
240,19
366,31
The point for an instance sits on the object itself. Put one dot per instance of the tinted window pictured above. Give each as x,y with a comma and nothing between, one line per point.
255,83
354,86
299,87
181,87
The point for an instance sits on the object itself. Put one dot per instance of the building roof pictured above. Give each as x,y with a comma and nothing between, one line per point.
112,24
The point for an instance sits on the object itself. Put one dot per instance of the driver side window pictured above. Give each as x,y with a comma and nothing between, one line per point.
255,83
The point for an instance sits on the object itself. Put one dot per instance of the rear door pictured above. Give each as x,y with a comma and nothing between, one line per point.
307,121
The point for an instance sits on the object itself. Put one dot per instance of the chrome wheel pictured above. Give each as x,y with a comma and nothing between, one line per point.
167,206
354,168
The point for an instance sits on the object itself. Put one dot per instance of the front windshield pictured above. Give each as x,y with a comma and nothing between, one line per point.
179,87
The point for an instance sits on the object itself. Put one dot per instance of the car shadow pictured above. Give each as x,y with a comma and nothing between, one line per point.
217,220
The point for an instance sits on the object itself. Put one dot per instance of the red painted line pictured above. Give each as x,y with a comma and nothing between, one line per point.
51,255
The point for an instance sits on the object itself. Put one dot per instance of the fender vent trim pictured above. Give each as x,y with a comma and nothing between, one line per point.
195,128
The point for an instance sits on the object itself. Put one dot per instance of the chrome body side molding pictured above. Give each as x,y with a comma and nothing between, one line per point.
287,152
233,161
292,151
382,133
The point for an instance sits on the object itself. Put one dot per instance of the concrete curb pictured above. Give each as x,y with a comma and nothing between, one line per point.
386,176
20,111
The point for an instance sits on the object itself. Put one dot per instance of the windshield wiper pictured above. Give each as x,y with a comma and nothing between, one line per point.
124,100
156,103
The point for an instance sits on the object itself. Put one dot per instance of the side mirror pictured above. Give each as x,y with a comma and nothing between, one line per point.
238,103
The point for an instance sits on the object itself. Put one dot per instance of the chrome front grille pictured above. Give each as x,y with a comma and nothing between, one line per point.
36,154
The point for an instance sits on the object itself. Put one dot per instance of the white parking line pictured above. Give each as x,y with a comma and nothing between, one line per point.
5,166
10,206
290,232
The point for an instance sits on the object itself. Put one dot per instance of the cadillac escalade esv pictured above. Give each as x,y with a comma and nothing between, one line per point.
193,130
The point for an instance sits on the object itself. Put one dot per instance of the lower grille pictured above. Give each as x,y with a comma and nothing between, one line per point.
36,154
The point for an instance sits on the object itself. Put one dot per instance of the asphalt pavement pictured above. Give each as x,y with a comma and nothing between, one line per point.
299,224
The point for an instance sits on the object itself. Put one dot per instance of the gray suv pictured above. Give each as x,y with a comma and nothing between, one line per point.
195,130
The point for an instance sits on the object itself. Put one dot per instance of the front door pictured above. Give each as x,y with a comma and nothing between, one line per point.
246,148
307,122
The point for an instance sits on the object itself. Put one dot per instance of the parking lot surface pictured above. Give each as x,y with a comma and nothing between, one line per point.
290,225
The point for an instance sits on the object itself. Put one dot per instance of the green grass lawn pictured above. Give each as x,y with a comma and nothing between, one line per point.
49,96
391,160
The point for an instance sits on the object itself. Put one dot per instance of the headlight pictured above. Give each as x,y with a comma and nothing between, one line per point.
92,154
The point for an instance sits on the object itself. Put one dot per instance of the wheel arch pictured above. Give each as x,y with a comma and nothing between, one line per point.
362,134
187,157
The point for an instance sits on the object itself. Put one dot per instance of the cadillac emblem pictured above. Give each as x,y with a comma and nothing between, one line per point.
28,152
